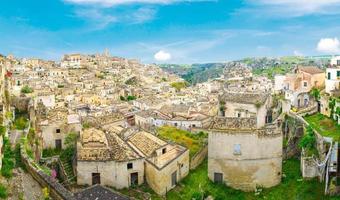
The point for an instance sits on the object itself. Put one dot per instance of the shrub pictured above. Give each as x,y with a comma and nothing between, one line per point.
20,123
308,141
86,125
2,130
3,192
131,98
26,89
46,193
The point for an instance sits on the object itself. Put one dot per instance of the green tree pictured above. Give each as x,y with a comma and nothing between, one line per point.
331,105
315,93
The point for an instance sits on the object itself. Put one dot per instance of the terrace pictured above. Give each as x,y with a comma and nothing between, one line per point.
324,125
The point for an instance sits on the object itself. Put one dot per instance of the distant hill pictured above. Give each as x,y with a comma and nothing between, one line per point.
197,73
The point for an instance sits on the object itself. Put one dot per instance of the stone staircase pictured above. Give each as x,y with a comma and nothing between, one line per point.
68,170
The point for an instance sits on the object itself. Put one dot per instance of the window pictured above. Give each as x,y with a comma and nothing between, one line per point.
175,124
337,74
237,149
329,76
57,130
129,166
338,62
164,151
304,84
238,114
194,125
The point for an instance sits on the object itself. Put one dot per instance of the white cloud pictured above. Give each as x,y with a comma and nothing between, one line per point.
162,56
110,3
143,15
329,45
294,8
96,17
297,53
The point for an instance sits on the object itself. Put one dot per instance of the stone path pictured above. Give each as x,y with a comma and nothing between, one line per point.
23,186
15,136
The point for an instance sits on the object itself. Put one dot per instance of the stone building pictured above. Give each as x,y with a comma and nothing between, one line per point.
244,144
55,124
104,158
298,84
165,164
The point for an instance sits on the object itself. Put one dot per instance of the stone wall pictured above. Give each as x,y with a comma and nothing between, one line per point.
199,157
57,190
234,123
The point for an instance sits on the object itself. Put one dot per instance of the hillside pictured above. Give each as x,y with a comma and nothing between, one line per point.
197,73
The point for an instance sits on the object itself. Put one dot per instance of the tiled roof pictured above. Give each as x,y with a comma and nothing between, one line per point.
146,142
311,70
100,146
98,192
246,98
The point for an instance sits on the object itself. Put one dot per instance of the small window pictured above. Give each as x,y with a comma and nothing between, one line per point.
329,76
57,130
175,124
194,125
239,115
164,151
338,74
129,166
304,84
237,149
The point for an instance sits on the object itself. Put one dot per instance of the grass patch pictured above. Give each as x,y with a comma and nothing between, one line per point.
324,125
8,161
194,142
197,185
179,85
50,152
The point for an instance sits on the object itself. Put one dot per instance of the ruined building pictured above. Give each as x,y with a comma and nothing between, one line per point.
245,142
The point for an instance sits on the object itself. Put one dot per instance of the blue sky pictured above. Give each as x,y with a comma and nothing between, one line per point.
170,31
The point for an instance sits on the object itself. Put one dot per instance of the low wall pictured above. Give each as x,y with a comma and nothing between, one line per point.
57,191
308,167
308,111
199,157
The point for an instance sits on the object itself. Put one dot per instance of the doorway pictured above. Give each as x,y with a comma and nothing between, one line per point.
95,178
218,177
174,178
58,144
134,178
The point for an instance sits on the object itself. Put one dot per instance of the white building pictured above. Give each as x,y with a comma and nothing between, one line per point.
333,79
335,61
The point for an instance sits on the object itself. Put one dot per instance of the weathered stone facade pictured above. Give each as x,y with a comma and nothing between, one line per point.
112,173
258,164
160,179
